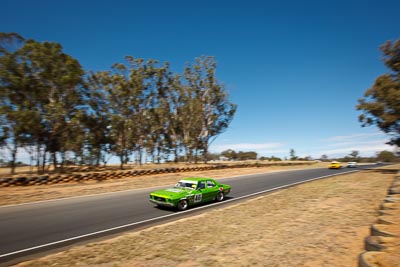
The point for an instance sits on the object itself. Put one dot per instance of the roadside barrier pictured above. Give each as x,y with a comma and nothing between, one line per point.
24,180
384,239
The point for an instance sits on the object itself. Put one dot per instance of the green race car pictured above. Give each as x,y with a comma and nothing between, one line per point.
190,191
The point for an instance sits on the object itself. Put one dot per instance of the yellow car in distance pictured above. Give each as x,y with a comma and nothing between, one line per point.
335,165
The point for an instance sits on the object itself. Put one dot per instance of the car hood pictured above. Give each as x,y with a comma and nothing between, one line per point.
172,192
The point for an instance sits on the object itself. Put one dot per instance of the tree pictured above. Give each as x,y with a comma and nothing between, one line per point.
58,96
386,156
158,114
381,103
11,78
122,88
251,155
293,154
97,122
229,154
41,97
354,154
211,99
10,42
324,157
48,107
273,158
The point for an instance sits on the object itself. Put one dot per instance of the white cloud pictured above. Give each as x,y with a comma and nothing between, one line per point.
248,147
367,144
359,143
354,136
364,150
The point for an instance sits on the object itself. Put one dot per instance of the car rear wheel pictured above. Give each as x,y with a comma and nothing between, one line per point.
183,205
220,196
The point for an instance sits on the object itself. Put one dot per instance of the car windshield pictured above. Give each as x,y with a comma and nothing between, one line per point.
188,184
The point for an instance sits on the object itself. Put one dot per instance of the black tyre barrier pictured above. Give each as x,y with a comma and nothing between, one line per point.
78,177
365,259
385,220
385,213
392,199
372,243
43,179
5,181
394,191
21,181
387,206
376,229
380,241
99,178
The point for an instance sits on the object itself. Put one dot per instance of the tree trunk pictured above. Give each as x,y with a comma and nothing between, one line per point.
63,159
158,154
121,159
13,158
205,152
176,155
38,159
54,157
43,162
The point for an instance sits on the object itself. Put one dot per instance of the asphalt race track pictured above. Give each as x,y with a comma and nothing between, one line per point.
28,229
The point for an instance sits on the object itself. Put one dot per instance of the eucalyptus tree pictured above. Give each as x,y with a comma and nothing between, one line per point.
60,90
11,79
157,112
354,154
381,103
190,122
10,42
18,96
98,122
115,86
140,76
123,89
179,130
41,95
215,110
293,154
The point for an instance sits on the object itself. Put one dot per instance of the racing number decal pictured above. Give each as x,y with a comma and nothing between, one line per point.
197,198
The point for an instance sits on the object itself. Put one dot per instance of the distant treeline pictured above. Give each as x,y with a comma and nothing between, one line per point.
59,112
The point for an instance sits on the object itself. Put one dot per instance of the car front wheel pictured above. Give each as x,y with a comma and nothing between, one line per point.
220,196
183,205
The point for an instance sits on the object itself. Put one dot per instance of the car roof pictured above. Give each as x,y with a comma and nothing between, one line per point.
196,179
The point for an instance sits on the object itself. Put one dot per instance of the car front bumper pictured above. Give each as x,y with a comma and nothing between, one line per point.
162,203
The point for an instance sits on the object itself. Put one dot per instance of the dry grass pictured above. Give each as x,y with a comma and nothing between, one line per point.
322,223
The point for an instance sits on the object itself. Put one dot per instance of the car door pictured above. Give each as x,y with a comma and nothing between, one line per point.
210,190
199,193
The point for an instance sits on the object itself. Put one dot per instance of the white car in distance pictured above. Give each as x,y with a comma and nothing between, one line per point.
351,164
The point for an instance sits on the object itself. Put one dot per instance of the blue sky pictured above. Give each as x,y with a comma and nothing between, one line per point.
294,68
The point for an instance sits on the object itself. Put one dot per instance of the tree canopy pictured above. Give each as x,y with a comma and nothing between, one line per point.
53,108
381,103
